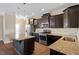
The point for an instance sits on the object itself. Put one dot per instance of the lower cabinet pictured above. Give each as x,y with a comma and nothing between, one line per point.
48,39
51,39
24,47
54,52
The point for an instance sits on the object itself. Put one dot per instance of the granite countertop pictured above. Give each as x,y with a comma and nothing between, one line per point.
59,34
63,34
23,37
66,47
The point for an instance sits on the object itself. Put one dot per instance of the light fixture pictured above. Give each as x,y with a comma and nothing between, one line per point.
43,9
33,13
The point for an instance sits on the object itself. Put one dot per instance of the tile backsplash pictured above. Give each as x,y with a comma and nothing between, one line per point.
60,30
70,32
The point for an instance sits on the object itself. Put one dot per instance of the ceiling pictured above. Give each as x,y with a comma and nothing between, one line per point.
32,9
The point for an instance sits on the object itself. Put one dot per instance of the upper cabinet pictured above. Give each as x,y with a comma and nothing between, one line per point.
71,17
56,21
43,22
48,21
52,22
59,21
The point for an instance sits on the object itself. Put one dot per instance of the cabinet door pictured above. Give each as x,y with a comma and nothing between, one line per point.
52,22
42,21
59,21
72,18
29,44
39,23
78,15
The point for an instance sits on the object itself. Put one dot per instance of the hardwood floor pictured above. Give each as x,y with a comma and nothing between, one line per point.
7,49
41,49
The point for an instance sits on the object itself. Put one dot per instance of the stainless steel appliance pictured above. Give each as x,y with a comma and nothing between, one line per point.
29,29
43,39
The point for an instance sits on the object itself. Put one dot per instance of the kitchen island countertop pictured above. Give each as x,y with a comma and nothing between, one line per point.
66,47
23,37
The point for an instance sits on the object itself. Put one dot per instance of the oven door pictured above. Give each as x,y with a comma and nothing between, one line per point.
43,39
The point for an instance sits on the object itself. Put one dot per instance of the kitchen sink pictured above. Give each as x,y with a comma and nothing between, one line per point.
69,39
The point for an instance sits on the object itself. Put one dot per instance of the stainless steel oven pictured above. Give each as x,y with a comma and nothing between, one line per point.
43,39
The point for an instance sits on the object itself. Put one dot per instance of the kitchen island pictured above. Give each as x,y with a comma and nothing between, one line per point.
63,47
24,44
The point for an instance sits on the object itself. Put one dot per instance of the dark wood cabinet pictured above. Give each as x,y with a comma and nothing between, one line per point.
39,22
59,21
71,17
43,20
56,21
52,22
47,39
54,52
24,47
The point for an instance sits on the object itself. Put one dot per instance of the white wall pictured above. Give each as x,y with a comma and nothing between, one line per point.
1,26
8,26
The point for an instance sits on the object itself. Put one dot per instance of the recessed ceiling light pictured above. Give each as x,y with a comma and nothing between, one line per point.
42,9
33,13
61,3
